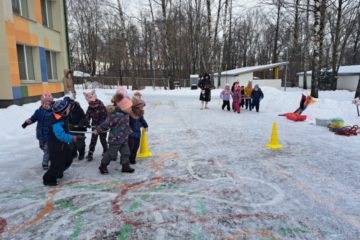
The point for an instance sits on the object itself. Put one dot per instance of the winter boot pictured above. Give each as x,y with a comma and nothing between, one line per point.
127,169
46,183
74,154
132,161
89,157
81,155
103,169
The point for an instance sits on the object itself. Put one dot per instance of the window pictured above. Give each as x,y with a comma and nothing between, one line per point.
46,10
20,7
51,65
25,62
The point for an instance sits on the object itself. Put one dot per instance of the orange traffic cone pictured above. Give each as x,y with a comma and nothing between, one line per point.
274,140
144,147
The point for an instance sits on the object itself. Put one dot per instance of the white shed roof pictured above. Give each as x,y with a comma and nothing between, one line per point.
343,70
243,70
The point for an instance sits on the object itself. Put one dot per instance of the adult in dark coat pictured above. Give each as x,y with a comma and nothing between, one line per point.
205,95
256,96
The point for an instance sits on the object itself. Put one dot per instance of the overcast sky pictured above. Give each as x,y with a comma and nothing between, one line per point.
136,6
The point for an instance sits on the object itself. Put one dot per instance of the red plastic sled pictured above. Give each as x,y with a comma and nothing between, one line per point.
294,117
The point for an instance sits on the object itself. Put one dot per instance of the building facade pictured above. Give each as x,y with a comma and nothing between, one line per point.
245,74
33,49
348,78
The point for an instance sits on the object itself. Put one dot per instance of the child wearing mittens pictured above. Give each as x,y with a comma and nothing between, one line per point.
42,117
225,96
95,114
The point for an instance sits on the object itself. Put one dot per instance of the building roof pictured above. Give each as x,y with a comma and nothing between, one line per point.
243,70
343,71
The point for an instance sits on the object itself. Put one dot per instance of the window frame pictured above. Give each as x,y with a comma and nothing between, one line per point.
21,13
27,80
49,23
53,67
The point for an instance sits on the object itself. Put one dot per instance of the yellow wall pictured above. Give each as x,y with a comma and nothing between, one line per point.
30,31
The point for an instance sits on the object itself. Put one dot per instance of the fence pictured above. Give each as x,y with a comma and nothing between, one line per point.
140,83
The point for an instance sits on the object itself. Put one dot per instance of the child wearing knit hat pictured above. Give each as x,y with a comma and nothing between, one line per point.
118,123
59,141
95,115
136,124
42,116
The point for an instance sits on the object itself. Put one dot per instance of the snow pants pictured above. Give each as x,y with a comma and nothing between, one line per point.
61,160
226,103
256,105
134,144
45,148
94,138
111,153
236,106
248,103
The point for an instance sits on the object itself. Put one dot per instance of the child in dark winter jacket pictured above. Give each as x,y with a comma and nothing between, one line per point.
236,95
77,123
96,114
136,125
256,96
225,96
118,123
242,103
42,117
59,141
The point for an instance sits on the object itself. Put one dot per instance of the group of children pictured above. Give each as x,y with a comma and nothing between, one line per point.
62,124
243,97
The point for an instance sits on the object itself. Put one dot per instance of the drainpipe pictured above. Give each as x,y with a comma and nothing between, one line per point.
67,33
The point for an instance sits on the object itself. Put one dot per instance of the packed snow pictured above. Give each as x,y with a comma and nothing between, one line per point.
211,176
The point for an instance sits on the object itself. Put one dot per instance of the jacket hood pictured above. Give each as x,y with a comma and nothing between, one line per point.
66,71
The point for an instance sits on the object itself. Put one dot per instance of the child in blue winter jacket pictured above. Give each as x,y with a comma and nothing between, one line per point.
256,96
59,142
42,116
225,96
136,124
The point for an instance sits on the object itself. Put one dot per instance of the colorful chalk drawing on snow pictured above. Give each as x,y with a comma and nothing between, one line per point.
151,208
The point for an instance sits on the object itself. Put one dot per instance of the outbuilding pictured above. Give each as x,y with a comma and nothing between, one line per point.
348,78
257,74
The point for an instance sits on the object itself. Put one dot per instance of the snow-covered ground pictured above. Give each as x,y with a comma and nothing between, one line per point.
210,178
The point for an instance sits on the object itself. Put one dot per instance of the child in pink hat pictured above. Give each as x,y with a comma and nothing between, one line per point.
42,116
95,115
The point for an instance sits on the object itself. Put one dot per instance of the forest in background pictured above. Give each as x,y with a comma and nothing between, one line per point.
174,39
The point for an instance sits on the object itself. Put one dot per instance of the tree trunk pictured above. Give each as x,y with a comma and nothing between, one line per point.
294,62
276,39
318,38
306,45
127,49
